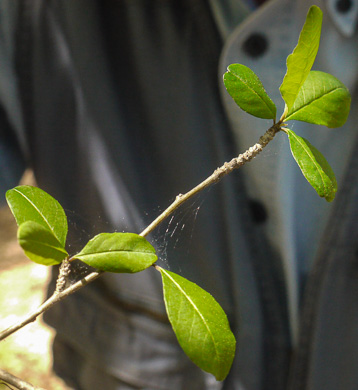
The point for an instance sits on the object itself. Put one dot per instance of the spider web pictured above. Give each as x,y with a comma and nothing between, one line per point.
177,231
174,233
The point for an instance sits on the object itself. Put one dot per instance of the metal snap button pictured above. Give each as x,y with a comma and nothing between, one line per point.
343,6
255,45
258,211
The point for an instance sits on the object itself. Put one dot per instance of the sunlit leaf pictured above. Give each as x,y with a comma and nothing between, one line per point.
300,62
200,324
248,92
39,244
29,203
118,252
314,166
322,100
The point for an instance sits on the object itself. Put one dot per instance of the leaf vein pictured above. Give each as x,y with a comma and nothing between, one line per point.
317,166
38,210
314,100
47,246
196,309
100,253
255,93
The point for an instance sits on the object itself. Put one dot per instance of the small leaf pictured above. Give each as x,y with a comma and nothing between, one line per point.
248,92
200,324
29,203
40,244
300,62
322,100
118,252
314,166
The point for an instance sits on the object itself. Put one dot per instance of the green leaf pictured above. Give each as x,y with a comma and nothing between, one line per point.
118,252
200,324
300,62
40,244
314,166
322,100
29,203
248,92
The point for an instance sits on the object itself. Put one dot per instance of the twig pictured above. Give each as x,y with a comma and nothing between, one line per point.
55,298
17,382
217,175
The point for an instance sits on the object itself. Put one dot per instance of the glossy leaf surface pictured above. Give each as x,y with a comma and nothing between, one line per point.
248,92
29,203
40,244
118,252
322,100
200,324
314,166
300,62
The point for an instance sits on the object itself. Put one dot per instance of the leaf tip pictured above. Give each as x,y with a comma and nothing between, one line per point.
331,195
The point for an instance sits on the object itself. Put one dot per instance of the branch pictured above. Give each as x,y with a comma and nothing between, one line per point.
217,175
17,382
55,298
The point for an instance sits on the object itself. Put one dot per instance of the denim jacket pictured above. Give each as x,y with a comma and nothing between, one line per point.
118,107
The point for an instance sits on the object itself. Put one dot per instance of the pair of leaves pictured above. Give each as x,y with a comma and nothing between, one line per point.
198,321
310,96
42,224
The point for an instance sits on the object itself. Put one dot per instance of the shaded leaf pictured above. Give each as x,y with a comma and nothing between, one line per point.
40,244
29,203
322,100
200,324
300,62
118,252
248,92
314,166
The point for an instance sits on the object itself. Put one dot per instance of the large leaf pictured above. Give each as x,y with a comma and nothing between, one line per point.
314,166
248,92
200,324
40,244
322,100
300,62
29,203
118,252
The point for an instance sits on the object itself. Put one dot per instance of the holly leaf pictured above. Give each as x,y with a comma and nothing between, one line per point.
322,100
29,203
248,92
200,324
118,252
314,166
300,62
40,244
